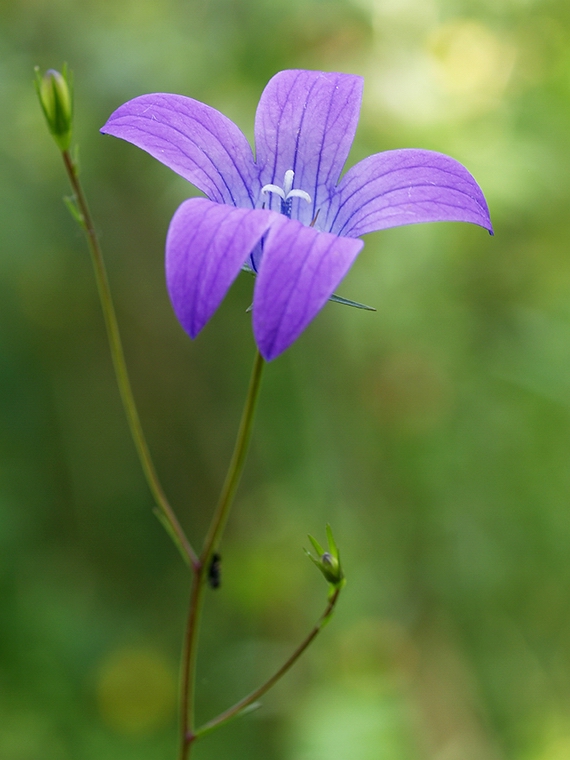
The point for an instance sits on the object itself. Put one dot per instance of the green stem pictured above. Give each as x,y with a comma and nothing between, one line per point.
188,668
188,676
244,703
164,510
236,465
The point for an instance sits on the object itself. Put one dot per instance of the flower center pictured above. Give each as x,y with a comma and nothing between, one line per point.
286,193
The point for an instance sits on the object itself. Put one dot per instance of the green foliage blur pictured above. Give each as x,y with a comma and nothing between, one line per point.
434,434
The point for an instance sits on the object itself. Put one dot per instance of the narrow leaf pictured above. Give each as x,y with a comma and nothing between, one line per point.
249,709
71,204
347,302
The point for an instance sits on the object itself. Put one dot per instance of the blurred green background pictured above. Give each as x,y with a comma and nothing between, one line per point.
433,434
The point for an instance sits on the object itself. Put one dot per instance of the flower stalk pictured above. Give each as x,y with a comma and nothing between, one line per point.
237,462
250,701
163,510
54,93
211,543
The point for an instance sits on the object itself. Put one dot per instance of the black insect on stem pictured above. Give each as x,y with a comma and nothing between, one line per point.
215,571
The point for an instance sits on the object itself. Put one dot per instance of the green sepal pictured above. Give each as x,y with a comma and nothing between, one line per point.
335,298
333,548
313,560
316,546
348,302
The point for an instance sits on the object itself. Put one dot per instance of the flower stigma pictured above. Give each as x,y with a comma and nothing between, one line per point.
286,193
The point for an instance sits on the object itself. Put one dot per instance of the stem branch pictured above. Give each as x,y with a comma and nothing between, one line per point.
164,510
234,711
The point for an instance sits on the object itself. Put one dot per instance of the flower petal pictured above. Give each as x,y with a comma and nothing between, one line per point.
306,122
299,270
206,245
405,187
193,139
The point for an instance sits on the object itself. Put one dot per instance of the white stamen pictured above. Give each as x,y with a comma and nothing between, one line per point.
287,191
288,182
273,189
298,194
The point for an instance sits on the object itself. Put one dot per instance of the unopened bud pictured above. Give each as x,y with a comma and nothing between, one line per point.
54,92
330,567
328,562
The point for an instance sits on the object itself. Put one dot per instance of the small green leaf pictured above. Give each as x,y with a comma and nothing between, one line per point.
249,709
73,209
71,203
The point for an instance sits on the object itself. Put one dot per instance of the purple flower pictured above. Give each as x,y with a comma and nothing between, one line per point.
284,215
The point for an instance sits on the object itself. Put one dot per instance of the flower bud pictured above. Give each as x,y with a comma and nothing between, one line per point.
328,562
330,568
54,92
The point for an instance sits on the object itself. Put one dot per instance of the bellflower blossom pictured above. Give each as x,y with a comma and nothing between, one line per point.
285,214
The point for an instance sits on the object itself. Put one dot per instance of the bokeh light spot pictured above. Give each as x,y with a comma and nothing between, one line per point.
473,63
136,690
557,749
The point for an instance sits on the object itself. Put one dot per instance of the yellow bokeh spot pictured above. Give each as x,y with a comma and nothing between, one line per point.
136,690
456,70
559,749
472,60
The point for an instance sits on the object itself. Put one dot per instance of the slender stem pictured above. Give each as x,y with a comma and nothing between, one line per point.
164,511
236,465
188,676
234,711
188,668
